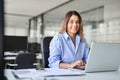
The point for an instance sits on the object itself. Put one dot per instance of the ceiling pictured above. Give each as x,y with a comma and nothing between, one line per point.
30,7
18,12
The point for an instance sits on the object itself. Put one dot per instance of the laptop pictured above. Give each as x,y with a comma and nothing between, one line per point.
103,57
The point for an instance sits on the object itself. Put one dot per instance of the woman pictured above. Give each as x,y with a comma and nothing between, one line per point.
68,48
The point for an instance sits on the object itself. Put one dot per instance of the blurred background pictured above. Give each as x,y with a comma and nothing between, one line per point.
27,21
33,19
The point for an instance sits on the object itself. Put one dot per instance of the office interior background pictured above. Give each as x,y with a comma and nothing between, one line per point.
34,19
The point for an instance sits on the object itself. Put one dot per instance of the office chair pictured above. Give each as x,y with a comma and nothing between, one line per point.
45,41
24,61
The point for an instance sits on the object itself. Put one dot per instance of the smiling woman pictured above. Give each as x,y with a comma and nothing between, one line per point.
68,48
1,39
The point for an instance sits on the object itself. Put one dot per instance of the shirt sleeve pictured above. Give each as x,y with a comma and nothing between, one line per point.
55,52
86,51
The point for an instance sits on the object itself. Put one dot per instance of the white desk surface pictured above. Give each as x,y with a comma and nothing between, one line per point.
13,57
113,75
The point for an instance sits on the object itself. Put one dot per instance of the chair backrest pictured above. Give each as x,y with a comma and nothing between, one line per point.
45,41
25,61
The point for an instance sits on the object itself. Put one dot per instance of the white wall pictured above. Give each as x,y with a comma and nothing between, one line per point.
16,31
16,25
112,10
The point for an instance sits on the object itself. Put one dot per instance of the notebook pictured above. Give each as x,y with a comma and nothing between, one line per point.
103,57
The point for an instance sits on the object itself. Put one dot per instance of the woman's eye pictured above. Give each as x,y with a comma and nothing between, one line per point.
77,22
71,21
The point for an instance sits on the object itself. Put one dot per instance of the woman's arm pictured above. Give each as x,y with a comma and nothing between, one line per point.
76,64
55,52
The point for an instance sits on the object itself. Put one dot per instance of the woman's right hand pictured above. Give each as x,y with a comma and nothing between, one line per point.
77,64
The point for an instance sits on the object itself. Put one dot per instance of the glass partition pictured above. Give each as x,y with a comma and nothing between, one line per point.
91,18
34,34
101,22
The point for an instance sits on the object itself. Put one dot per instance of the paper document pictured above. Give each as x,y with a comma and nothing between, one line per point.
49,72
24,73
62,72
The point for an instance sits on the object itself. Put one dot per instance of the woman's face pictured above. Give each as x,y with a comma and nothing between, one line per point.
73,25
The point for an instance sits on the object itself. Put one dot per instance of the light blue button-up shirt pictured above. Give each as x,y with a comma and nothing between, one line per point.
62,49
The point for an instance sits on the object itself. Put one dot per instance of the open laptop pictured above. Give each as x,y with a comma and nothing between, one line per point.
103,57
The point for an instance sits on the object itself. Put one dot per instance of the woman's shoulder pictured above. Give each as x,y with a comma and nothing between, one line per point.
57,36
83,40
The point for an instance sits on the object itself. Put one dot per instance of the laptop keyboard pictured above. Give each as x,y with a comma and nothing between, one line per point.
82,68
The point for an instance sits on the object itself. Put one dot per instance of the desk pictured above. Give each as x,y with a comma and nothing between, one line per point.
12,56
114,75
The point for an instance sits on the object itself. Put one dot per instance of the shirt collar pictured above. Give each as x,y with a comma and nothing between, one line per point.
65,34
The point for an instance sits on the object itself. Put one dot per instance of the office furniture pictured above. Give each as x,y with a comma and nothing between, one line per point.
34,47
112,75
15,43
12,56
45,41
24,61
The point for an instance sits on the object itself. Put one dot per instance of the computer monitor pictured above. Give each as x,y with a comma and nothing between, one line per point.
15,43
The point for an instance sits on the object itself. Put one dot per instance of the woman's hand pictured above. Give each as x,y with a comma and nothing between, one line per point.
77,64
